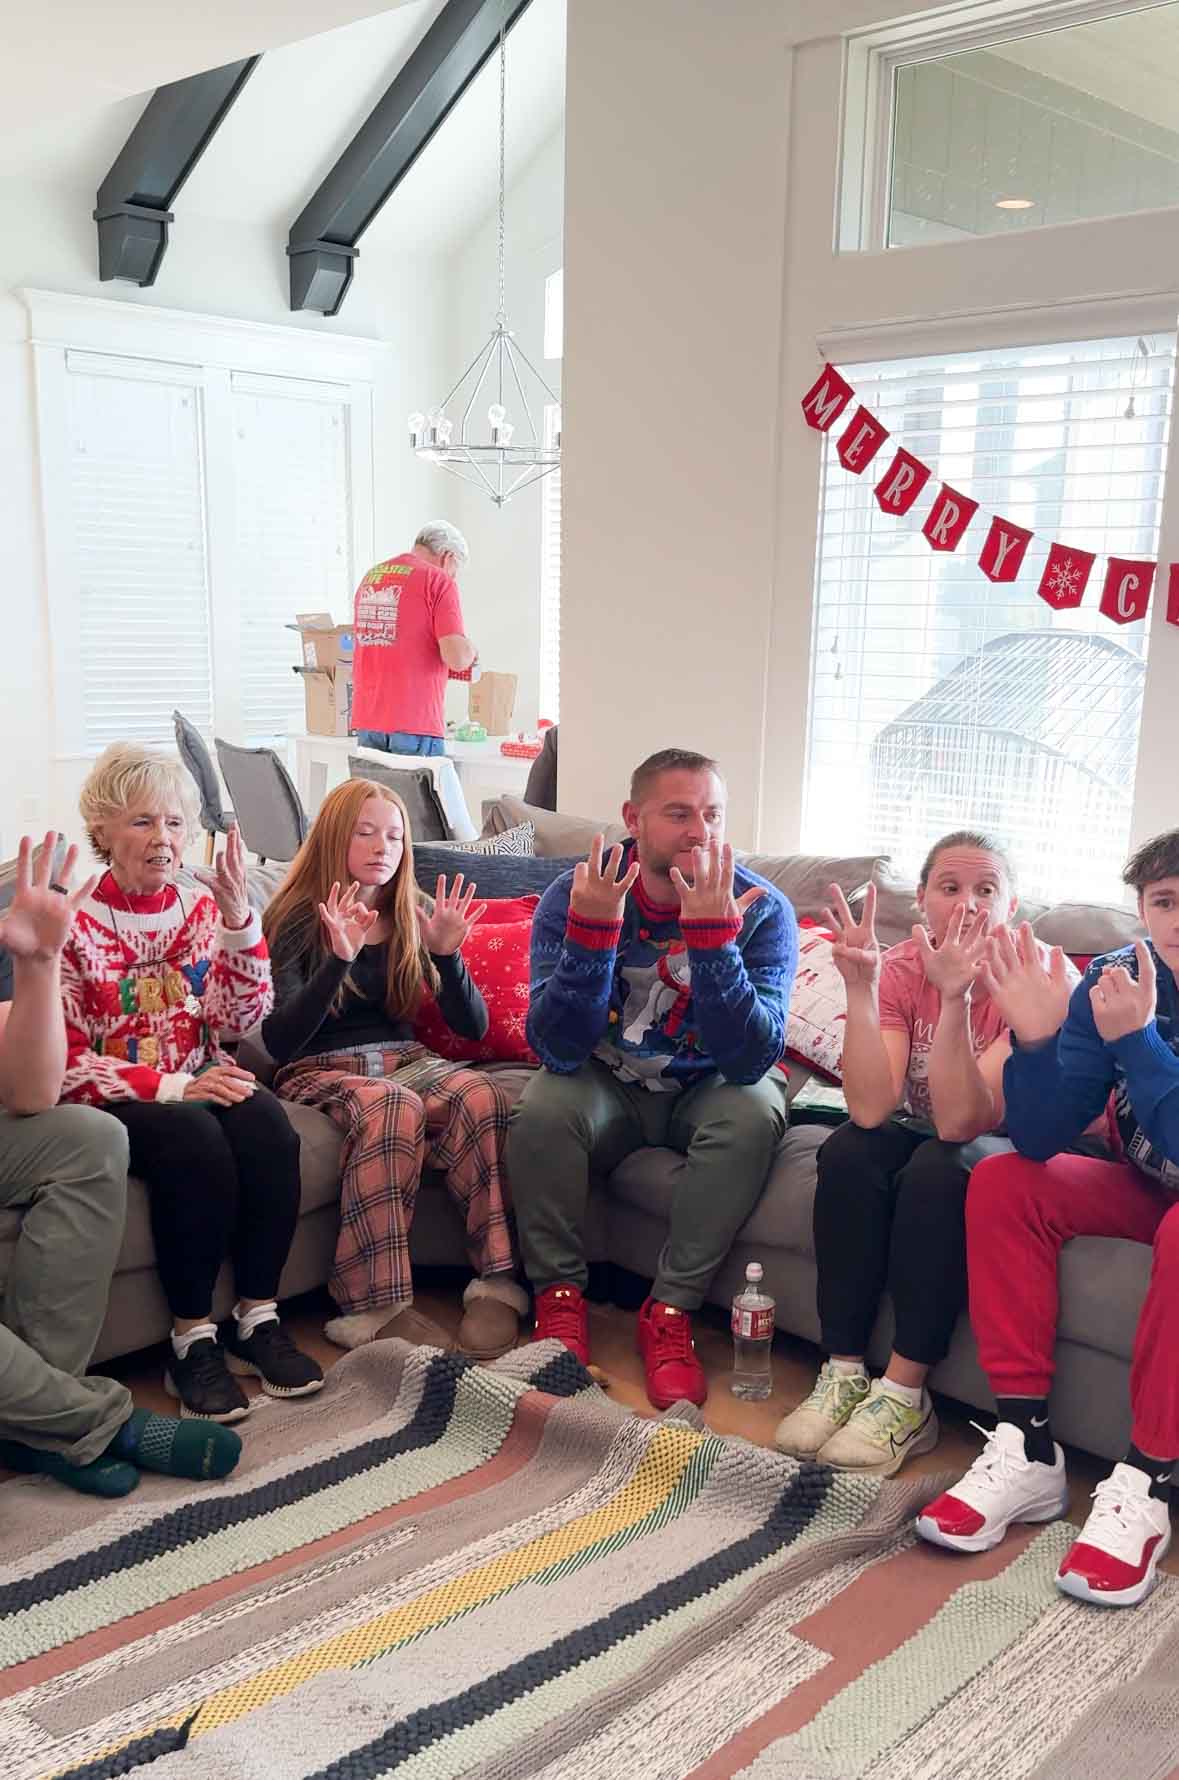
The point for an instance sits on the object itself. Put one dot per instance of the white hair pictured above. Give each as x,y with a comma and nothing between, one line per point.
126,775
443,539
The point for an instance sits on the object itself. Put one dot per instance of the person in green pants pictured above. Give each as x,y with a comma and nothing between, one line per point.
661,977
64,1169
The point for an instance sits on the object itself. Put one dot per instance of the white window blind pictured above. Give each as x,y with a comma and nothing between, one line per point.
550,596
292,499
137,496
939,699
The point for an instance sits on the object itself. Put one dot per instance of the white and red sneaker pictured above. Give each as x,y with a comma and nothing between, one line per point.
1113,1560
1002,1485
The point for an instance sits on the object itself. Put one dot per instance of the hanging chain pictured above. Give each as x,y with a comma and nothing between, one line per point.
503,95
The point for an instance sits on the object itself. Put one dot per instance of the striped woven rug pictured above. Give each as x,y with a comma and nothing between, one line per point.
435,1569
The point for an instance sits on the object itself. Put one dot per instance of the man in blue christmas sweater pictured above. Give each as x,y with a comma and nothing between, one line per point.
1118,1033
661,977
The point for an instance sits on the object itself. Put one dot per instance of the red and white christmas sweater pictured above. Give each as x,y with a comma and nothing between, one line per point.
151,986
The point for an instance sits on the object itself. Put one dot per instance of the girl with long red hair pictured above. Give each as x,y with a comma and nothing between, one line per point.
354,950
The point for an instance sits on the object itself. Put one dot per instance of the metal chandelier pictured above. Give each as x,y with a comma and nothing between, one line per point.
513,454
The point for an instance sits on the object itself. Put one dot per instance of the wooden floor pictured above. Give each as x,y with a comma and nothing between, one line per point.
612,1339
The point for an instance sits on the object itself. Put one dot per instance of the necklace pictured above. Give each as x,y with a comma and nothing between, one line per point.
133,961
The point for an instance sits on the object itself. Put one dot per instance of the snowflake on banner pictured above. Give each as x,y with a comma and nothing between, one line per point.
1064,581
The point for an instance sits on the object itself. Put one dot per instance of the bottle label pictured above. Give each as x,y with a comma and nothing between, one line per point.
752,1325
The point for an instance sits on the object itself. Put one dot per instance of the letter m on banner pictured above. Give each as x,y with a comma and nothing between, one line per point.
826,399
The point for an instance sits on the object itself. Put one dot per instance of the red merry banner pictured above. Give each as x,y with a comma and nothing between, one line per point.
1126,593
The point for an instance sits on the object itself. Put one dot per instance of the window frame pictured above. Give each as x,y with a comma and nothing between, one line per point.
873,57
205,352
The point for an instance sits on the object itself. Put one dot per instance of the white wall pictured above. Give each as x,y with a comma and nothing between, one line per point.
701,283
47,241
501,587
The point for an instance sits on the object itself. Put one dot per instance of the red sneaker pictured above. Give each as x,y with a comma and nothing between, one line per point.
669,1355
561,1316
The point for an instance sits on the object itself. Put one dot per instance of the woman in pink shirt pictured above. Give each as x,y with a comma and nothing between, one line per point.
923,1076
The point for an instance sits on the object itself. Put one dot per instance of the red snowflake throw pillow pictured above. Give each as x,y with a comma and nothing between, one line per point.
497,958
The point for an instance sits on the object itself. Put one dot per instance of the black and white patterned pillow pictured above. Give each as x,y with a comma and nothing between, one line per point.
519,842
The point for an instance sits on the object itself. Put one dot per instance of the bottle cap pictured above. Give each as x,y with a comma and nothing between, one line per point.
754,1272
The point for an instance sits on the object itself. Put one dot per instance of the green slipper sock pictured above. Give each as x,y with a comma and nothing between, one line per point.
106,1475
189,1448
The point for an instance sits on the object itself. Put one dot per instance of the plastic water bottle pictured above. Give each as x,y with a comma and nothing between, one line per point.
753,1338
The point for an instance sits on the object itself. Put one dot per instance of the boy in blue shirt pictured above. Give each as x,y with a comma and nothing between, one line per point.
1118,1033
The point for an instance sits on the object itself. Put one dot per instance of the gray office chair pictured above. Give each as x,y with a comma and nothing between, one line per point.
215,818
267,807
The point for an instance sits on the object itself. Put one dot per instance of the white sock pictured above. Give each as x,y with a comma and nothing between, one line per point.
912,1394
182,1343
247,1321
847,1368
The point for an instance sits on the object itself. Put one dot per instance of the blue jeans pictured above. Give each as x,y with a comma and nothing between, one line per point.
399,741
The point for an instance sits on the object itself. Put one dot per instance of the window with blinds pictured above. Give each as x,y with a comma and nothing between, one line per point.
137,493
292,502
941,700
550,596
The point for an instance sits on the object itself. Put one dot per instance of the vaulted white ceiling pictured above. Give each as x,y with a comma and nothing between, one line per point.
301,107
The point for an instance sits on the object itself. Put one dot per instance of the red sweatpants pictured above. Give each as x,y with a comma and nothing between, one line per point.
1018,1216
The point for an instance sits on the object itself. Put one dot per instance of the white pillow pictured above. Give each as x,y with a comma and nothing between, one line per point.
818,1004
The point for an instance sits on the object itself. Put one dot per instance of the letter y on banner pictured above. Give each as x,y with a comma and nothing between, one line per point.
902,482
1001,557
826,399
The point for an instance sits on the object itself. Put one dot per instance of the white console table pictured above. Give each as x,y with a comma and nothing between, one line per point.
477,770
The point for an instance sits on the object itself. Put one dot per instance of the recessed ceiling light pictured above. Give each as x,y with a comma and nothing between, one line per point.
1015,203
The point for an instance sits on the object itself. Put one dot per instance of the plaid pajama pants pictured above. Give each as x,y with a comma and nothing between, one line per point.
421,1111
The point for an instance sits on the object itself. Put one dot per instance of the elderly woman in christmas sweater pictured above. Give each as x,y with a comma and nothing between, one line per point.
155,975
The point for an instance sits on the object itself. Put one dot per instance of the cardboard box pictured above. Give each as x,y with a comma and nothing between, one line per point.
327,694
327,649
491,701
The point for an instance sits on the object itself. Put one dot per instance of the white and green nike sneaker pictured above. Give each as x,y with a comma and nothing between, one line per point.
819,1416
881,1433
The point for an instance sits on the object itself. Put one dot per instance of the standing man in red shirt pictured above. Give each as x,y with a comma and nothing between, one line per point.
408,627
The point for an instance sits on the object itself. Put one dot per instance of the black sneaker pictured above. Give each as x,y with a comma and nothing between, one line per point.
201,1381
270,1354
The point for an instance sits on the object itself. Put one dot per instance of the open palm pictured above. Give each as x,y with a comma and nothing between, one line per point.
855,952
446,930
37,921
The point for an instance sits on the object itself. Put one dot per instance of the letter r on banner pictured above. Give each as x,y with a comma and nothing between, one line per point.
948,518
902,482
1127,589
826,399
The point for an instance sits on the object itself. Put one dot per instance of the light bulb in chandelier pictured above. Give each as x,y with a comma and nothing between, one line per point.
503,434
445,429
416,423
497,414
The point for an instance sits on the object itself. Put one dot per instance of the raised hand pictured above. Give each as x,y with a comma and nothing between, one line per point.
226,1084
856,950
598,893
709,897
227,880
1032,1000
347,921
37,921
456,912
1121,1005
953,966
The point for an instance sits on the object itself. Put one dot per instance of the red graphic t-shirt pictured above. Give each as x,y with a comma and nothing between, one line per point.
403,607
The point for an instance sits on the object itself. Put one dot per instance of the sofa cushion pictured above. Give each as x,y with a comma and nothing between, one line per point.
782,1217
557,836
1083,929
496,955
519,841
494,874
1103,1281
806,878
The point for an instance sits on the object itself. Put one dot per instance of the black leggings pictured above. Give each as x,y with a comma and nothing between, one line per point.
890,1211
221,1180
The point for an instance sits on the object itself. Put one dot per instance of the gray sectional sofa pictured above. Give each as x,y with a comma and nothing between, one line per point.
1103,1281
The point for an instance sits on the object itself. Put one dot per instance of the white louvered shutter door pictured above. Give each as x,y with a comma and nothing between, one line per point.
137,500
292,499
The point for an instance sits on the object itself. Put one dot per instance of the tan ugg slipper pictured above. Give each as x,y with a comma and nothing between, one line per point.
492,1309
